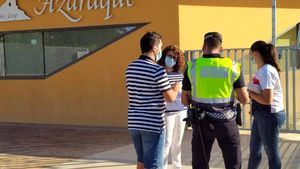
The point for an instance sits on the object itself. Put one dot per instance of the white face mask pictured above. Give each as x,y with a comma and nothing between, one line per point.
158,56
252,60
170,62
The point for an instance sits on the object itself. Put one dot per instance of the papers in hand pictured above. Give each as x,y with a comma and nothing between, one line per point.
255,88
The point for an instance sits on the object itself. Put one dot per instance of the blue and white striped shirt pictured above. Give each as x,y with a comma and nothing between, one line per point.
146,81
176,105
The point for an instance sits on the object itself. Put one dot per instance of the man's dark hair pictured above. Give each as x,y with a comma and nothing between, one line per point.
149,40
212,40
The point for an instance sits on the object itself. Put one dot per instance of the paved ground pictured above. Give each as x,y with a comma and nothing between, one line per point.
38,146
61,147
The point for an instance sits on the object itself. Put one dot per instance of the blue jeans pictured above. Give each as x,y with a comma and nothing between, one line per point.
149,147
265,131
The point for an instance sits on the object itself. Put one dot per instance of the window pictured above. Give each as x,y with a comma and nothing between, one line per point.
40,54
65,47
24,54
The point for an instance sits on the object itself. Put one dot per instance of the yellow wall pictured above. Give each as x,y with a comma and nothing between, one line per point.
240,23
289,38
91,92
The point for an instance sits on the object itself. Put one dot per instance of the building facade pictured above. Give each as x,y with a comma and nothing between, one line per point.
64,62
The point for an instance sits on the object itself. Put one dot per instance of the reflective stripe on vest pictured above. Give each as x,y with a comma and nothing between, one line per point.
212,100
212,79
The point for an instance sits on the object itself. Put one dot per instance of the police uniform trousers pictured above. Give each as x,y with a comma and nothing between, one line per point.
227,135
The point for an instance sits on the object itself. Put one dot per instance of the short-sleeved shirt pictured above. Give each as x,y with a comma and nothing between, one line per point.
146,81
267,77
175,106
216,111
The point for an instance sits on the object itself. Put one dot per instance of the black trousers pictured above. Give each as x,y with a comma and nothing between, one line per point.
227,135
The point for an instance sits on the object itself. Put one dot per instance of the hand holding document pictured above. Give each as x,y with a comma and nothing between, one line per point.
254,88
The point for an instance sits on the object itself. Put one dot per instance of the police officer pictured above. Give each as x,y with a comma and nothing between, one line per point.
210,85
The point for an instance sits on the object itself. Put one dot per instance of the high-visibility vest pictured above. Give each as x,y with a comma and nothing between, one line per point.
212,79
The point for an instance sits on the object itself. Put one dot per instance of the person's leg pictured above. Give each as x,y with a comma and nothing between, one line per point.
198,161
138,146
177,139
255,147
270,135
170,125
280,118
229,141
153,145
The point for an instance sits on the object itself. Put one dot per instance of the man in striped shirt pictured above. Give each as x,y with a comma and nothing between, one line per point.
148,88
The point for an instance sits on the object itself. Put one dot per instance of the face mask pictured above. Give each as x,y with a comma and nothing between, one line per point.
252,60
170,62
158,56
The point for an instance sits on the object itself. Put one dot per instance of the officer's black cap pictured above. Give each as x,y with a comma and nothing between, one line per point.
214,35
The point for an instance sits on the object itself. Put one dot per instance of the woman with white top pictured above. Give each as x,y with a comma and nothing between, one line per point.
267,106
173,62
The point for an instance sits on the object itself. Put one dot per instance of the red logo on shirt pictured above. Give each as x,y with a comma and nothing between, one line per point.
255,81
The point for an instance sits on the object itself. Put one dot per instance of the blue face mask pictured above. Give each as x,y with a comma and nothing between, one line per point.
158,56
170,62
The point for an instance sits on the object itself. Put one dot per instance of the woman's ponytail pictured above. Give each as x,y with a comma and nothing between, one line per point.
272,58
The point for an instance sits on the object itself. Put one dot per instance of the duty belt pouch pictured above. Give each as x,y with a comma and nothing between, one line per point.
238,115
191,117
195,115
